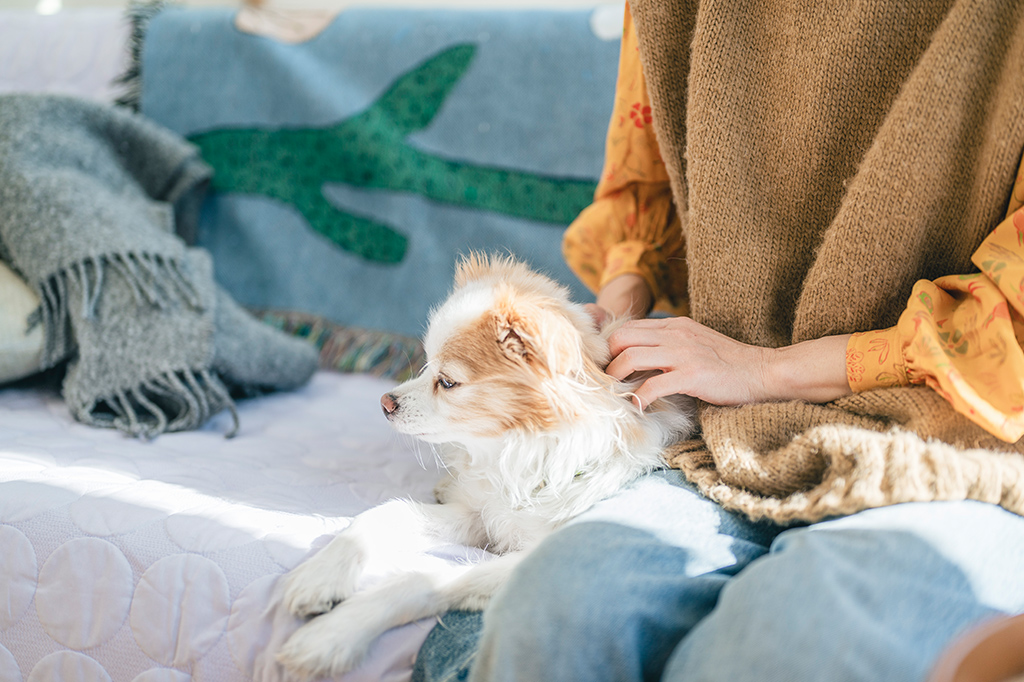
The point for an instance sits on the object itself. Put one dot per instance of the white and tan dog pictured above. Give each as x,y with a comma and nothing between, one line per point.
532,432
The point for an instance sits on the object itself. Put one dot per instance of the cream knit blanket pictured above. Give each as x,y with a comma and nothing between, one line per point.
824,157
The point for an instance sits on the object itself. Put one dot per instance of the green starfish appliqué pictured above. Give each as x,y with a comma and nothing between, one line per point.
371,150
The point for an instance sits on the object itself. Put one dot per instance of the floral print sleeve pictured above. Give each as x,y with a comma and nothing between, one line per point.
961,335
632,226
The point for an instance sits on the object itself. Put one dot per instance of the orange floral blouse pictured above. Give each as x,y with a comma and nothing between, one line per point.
961,335
632,226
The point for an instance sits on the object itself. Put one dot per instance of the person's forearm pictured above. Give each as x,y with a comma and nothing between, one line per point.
814,371
626,296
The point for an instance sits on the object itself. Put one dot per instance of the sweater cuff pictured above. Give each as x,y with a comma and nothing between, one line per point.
875,360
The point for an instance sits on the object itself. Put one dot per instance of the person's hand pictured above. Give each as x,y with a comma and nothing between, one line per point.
695,360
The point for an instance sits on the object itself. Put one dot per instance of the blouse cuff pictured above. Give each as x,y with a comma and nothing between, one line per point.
875,360
628,258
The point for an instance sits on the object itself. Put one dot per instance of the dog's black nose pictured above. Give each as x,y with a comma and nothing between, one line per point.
389,404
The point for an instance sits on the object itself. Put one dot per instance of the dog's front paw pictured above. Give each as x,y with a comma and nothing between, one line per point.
325,647
326,579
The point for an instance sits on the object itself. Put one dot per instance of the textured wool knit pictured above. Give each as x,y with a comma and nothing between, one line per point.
91,197
958,334
824,157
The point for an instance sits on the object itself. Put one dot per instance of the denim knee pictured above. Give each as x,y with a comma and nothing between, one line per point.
570,582
595,601
869,597
609,596
547,605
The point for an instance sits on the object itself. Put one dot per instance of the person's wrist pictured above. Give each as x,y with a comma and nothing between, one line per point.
626,295
813,371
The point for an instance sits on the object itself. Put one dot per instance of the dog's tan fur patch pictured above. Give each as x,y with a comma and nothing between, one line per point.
501,377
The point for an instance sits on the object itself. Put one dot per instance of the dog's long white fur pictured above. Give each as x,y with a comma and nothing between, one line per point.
504,492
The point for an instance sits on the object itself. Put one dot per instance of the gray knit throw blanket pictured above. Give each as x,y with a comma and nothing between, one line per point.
90,201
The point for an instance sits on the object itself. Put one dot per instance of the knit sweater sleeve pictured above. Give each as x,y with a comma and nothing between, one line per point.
632,226
961,335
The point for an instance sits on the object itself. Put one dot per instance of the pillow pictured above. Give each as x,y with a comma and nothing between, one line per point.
20,347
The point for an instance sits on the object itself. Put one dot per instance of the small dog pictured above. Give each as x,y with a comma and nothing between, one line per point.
532,432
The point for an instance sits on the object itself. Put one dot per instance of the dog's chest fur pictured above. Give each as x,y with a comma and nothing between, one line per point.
524,487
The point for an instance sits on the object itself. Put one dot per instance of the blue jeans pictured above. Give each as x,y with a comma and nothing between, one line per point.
659,583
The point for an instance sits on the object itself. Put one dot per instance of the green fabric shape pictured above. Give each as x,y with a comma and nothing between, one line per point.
369,150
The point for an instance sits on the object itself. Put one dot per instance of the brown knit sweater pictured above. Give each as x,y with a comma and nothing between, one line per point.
825,156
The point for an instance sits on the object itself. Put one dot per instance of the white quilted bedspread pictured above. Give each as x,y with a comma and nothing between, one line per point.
157,561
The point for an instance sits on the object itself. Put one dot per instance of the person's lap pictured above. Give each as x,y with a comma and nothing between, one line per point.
661,583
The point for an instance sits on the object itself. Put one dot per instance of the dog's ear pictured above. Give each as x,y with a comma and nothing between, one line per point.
515,343
515,332
538,337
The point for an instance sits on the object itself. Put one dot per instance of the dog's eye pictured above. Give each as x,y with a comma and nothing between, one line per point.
445,383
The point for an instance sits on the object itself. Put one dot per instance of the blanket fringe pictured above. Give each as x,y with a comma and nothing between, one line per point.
173,401
152,279
352,349
139,14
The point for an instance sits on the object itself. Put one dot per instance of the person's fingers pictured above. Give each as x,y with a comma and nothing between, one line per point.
622,364
629,360
631,335
653,322
642,359
658,386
